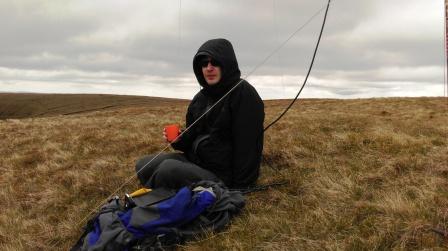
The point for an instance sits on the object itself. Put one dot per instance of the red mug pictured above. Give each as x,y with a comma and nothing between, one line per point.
171,131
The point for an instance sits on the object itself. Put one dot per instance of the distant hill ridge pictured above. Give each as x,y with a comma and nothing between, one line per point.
24,105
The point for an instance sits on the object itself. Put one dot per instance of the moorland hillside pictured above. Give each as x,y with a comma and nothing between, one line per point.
31,105
365,174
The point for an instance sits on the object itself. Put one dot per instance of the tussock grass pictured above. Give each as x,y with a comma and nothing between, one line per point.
368,174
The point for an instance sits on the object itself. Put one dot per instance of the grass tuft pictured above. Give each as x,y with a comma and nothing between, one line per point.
366,174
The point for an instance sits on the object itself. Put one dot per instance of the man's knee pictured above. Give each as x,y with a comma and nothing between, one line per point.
140,162
144,168
170,166
157,160
172,174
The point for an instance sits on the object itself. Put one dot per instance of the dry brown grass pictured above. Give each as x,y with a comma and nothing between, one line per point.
27,105
368,174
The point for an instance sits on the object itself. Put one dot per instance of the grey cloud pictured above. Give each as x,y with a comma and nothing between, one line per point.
27,28
91,41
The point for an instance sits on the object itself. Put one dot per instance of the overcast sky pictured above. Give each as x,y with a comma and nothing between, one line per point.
370,48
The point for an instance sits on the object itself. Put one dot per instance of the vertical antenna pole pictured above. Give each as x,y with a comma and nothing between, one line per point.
179,46
445,69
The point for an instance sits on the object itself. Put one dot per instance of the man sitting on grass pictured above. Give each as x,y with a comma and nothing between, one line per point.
226,144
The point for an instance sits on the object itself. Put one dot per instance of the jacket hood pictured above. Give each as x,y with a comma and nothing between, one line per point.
222,51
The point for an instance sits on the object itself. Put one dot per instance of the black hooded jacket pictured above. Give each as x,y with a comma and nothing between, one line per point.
229,140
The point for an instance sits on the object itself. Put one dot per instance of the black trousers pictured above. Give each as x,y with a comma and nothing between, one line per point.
170,170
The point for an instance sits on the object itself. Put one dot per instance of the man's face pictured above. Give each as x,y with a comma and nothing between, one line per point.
211,71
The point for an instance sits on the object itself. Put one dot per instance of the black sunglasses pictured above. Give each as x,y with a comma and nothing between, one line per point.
204,62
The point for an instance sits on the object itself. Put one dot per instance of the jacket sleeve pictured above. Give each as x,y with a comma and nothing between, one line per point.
247,136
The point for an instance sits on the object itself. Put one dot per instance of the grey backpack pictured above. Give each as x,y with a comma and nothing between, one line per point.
161,218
